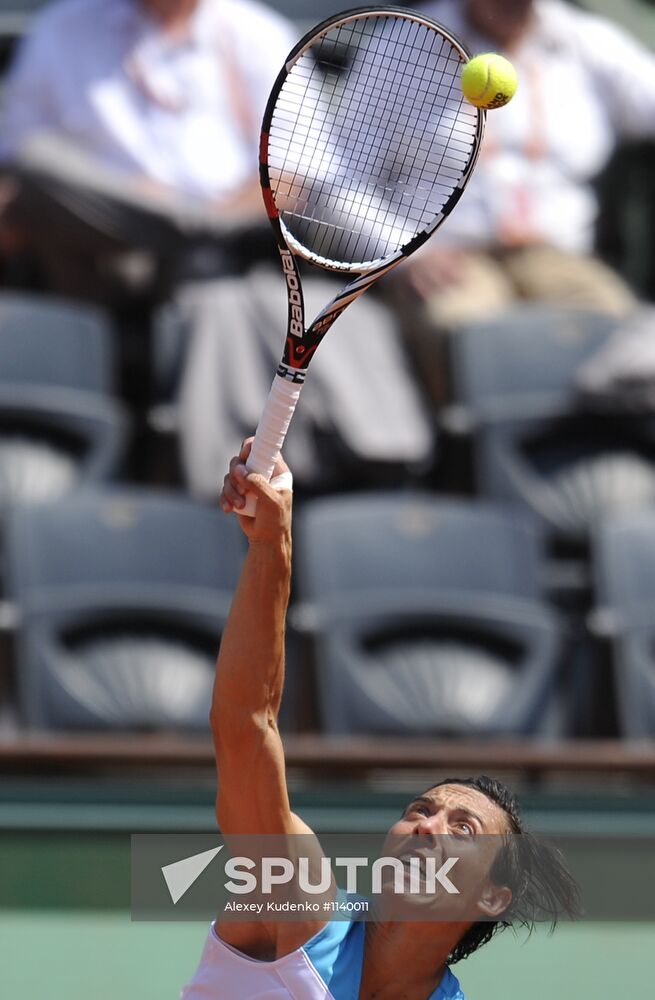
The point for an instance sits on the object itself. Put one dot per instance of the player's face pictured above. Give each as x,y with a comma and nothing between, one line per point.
503,21
455,821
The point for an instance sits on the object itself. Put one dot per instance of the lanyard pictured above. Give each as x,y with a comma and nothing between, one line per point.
516,225
237,89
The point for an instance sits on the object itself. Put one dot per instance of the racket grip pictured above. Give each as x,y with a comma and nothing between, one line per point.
271,432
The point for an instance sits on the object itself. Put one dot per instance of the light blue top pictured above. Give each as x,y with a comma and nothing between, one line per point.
337,954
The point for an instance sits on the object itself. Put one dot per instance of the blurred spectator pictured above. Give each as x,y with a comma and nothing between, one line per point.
525,226
169,94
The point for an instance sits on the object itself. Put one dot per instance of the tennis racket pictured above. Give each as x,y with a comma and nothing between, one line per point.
367,144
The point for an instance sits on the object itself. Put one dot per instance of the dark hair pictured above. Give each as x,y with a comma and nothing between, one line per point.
542,886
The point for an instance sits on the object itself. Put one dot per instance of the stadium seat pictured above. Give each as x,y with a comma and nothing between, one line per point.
59,425
535,444
427,617
627,212
123,596
624,573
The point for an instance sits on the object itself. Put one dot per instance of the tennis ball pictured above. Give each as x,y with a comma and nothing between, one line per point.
489,81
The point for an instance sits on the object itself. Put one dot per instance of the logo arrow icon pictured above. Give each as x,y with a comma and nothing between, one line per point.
181,875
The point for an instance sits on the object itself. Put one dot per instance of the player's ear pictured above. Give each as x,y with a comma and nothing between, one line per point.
494,900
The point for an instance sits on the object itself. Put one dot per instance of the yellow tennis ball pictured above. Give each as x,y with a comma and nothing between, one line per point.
489,81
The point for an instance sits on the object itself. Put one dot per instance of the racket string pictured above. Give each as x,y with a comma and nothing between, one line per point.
367,94
321,94
327,191
364,156
389,74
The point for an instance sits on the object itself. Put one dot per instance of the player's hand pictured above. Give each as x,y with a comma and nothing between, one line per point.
272,518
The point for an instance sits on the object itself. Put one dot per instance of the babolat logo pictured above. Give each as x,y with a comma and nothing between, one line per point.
296,321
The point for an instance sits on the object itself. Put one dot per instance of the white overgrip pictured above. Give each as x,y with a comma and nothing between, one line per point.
271,432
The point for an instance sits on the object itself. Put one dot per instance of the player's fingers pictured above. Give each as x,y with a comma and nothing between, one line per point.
283,481
237,482
224,503
281,468
246,448
232,494
237,475
242,479
263,490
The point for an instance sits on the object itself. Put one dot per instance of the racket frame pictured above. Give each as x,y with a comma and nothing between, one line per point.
301,341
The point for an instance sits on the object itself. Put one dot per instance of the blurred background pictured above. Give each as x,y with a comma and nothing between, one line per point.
474,533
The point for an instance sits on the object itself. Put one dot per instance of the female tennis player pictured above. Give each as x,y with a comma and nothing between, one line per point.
339,959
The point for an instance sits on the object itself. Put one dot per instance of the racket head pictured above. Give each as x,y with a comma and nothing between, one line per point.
367,140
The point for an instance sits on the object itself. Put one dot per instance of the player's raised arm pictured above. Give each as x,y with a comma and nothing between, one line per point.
252,792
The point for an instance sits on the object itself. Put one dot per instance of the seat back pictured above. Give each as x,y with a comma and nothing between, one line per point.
624,574
525,360
59,423
123,598
395,540
535,445
624,563
426,616
102,540
47,341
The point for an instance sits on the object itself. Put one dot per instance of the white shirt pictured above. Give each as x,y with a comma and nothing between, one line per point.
184,112
226,974
328,967
583,84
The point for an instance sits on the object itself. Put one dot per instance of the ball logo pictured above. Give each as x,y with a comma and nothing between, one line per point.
296,320
499,101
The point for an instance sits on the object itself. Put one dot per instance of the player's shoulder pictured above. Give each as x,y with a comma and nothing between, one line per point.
448,988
